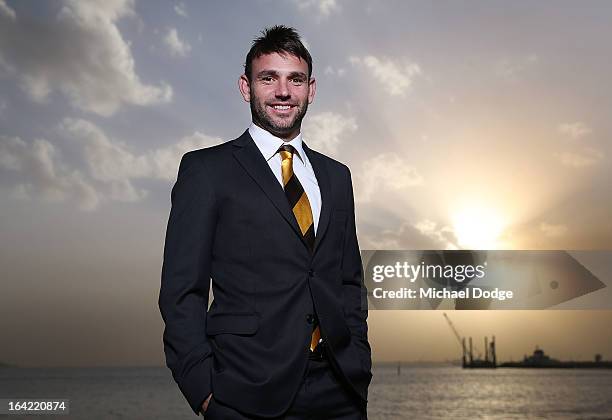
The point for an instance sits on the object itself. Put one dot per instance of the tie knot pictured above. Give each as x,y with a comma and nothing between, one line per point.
286,151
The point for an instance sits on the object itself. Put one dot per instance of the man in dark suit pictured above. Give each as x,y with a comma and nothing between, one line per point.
272,222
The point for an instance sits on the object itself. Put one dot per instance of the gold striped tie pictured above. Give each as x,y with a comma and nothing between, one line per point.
298,201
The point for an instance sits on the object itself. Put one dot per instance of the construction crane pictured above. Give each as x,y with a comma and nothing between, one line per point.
450,323
477,362
461,341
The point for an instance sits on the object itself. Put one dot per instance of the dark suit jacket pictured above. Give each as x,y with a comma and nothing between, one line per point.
230,221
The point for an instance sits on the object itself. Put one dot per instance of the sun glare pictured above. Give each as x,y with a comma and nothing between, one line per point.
478,227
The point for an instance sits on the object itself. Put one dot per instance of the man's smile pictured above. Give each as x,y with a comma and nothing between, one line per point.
282,109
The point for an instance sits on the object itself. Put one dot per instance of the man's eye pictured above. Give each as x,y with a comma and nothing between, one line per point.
298,81
266,79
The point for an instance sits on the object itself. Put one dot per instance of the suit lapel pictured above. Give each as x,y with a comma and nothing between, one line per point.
251,159
322,176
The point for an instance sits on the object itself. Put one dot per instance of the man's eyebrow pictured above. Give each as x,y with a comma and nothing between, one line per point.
264,73
297,74
293,74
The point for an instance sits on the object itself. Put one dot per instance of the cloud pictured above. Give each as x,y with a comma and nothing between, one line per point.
584,156
553,231
397,78
324,131
108,162
180,10
579,159
164,161
441,235
511,68
111,160
574,130
6,11
323,8
43,174
107,168
81,54
382,239
406,235
331,71
176,46
385,173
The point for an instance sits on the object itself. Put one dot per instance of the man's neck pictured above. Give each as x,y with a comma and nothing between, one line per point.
285,137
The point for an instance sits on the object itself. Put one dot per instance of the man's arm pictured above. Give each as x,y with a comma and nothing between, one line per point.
355,292
185,281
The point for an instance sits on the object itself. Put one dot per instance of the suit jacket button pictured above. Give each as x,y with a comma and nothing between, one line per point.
310,273
310,318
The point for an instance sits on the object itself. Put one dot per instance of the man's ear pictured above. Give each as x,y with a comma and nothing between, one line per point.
245,88
312,87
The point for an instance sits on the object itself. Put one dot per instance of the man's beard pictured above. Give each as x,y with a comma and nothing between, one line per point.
287,126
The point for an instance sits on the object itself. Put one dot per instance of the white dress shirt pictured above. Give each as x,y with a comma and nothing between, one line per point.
268,146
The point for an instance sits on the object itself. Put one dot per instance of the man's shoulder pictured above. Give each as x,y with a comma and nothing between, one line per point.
210,151
210,154
206,159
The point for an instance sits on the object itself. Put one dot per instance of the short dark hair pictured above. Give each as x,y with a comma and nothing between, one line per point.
277,39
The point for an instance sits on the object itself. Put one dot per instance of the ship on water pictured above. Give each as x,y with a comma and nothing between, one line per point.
540,360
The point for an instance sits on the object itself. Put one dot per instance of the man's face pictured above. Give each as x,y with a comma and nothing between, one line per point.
279,93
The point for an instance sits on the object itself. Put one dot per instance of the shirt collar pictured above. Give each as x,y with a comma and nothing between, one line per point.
268,144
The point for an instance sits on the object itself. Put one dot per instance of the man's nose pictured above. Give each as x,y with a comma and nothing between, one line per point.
282,89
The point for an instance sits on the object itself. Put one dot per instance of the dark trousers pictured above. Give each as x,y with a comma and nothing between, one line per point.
321,396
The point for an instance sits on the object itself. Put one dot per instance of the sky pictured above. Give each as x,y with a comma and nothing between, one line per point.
466,125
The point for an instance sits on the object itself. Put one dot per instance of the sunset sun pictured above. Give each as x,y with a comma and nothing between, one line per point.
478,227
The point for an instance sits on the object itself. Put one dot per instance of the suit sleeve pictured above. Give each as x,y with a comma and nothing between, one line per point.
354,290
185,281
